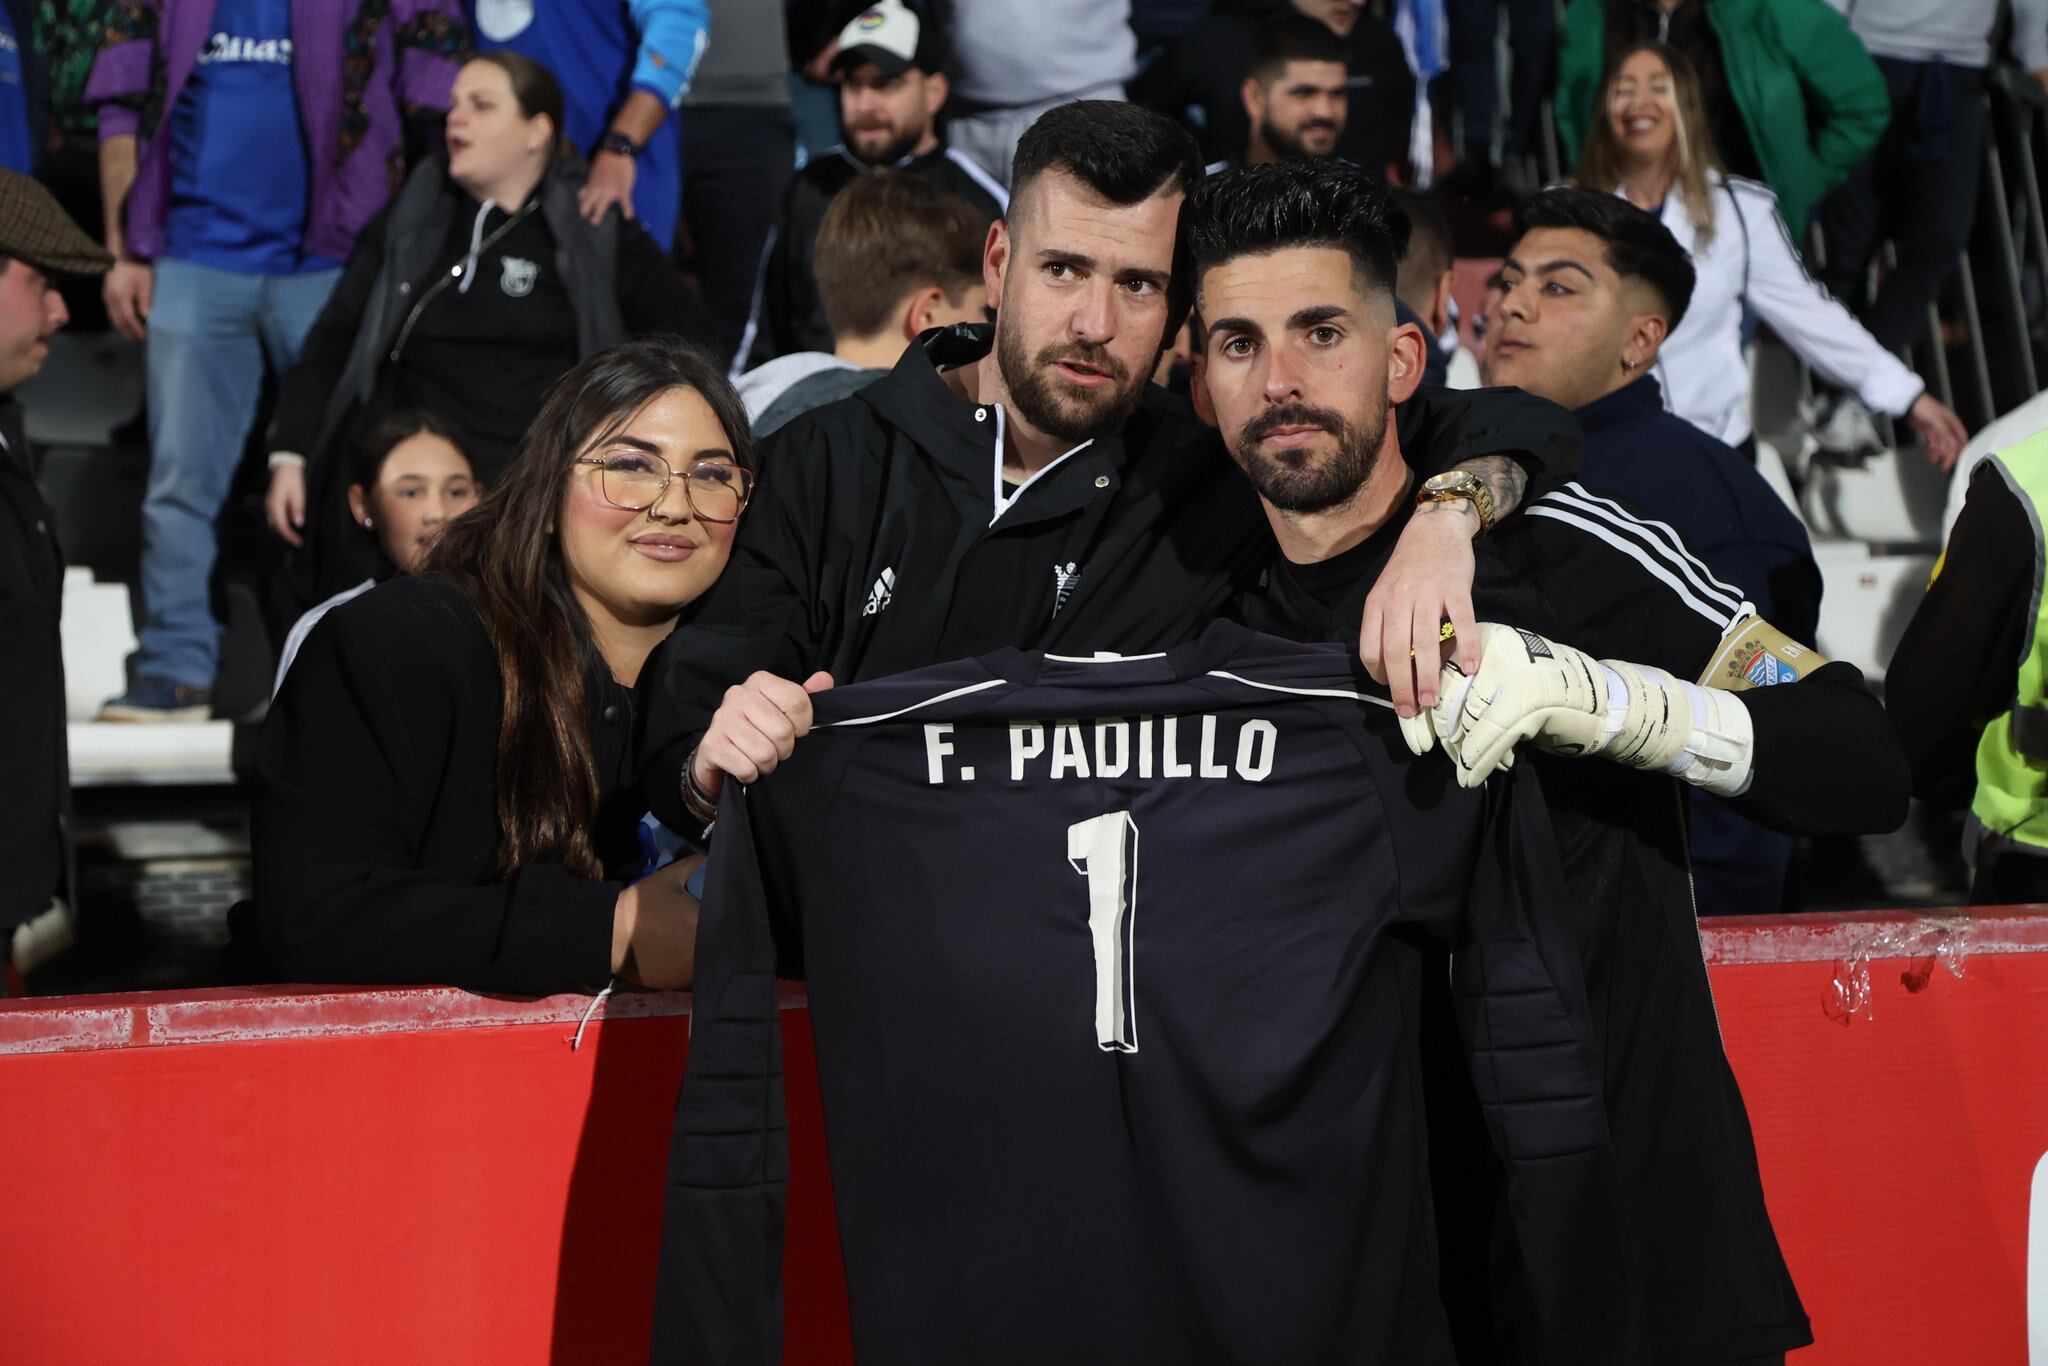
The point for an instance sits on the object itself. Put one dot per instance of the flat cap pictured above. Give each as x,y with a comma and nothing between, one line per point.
34,229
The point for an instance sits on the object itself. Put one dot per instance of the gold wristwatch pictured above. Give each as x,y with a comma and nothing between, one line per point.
1456,484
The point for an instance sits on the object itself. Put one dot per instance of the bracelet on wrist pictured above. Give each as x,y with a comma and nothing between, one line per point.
699,803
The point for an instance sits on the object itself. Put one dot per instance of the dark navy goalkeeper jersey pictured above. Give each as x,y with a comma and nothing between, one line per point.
1114,969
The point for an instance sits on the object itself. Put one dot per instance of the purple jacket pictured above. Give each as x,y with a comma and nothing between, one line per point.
364,70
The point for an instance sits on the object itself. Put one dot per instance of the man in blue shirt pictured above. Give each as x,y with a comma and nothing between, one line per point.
1590,291
240,157
623,69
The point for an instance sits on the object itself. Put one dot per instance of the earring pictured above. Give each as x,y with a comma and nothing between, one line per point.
1626,365
367,524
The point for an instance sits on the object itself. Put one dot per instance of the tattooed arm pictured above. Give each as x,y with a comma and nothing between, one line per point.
1517,446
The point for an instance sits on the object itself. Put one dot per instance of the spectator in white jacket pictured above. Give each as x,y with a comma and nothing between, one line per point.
1651,143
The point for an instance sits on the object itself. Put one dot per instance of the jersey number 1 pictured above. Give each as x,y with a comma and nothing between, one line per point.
1104,849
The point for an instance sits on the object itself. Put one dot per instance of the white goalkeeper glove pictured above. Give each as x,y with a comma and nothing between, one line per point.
1566,702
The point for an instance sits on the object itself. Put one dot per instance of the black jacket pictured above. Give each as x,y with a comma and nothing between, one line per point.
1956,668
374,813
37,857
1204,68
606,283
1584,570
869,549
788,316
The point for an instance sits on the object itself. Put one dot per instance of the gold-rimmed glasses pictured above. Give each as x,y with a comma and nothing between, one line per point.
636,481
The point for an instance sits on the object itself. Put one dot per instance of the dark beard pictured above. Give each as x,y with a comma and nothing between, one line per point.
1288,146
1298,482
894,152
1074,415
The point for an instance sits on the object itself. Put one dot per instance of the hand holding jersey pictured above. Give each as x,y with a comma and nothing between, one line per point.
755,728
1568,703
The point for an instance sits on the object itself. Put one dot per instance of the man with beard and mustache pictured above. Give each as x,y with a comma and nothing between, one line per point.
1299,364
1024,485
1295,96
892,86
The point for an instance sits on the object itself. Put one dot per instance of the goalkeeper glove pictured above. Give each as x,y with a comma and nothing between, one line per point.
1566,702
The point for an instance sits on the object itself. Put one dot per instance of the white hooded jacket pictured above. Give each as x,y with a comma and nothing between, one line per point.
1751,259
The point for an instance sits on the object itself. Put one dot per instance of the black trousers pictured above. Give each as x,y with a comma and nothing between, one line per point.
1532,53
737,161
1919,190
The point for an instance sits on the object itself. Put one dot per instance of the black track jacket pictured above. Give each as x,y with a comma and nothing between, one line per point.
869,547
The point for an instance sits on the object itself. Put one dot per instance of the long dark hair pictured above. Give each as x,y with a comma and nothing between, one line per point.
506,558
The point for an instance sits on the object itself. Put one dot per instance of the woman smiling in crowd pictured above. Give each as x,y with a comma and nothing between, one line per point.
1651,144
444,786
479,285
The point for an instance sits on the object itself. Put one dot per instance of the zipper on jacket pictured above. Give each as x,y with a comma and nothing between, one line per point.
453,274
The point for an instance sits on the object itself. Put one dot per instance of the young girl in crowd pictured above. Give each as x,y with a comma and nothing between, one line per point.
1651,144
479,285
444,787
411,476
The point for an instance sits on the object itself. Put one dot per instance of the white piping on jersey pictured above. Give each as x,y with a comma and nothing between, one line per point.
967,691
1722,619
1681,555
973,688
1344,693
1103,658
1004,504
980,177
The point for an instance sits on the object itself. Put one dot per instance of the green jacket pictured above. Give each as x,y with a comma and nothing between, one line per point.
1813,100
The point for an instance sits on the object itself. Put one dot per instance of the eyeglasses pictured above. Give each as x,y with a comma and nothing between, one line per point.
636,481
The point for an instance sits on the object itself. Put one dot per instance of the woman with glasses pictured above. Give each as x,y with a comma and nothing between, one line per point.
445,784
478,286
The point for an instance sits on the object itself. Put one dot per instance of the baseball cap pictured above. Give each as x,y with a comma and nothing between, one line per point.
889,34
33,228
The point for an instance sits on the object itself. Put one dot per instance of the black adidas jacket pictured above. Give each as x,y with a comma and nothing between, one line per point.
869,547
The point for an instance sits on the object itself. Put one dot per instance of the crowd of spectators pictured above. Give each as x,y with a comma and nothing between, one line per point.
368,243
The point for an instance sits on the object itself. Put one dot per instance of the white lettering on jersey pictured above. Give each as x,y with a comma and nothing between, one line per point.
519,276
880,595
225,47
1103,731
1255,746
1069,752
1062,749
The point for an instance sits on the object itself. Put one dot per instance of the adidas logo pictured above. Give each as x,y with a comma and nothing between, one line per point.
880,595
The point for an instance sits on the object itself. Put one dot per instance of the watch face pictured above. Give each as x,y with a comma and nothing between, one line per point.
1445,483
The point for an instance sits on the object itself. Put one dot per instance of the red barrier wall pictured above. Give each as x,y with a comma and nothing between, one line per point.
430,1176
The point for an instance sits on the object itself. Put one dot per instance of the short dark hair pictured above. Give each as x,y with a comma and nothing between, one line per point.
1430,252
1639,247
1291,36
1124,152
887,235
388,433
1252,210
